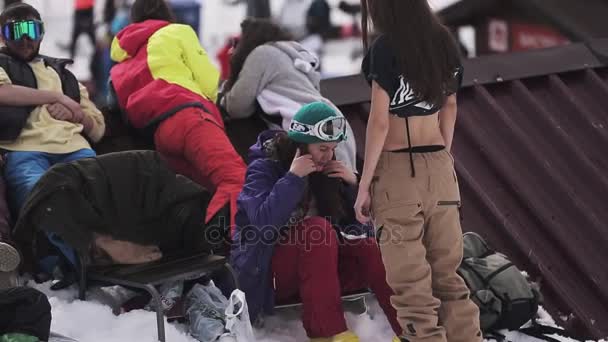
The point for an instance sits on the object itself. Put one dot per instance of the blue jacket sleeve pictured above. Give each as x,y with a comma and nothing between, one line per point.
267,198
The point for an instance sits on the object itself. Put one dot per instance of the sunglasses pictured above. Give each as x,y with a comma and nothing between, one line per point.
17,30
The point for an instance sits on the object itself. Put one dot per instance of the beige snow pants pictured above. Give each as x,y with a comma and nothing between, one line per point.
421,242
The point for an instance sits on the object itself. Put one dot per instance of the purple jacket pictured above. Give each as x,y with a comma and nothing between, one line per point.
269,197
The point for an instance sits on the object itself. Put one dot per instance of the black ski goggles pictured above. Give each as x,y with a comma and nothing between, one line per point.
17,30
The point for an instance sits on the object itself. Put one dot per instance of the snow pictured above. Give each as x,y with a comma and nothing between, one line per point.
94,320
218,21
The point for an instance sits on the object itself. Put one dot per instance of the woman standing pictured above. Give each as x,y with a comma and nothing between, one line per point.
414,70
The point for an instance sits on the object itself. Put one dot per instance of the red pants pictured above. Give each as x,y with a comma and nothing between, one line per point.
196,146
312,264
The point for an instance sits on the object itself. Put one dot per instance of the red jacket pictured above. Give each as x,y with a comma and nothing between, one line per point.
160,66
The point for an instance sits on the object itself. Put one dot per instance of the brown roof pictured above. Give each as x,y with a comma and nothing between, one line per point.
579,20
531,150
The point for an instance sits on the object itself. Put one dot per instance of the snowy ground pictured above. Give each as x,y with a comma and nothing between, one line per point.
94,321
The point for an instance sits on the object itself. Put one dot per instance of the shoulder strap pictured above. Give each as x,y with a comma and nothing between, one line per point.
19,72
69,83
4,60
13,118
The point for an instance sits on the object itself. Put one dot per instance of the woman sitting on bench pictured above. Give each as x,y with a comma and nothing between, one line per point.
296,235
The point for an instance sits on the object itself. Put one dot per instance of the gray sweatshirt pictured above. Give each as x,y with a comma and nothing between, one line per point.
282,77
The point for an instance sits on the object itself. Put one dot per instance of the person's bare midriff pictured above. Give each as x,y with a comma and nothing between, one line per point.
424,131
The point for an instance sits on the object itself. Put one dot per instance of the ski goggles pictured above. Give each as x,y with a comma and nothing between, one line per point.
16,30
330,129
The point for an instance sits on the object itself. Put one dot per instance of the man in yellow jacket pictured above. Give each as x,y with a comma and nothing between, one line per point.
46,116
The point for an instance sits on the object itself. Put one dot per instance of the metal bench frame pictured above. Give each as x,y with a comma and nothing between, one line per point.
359,295
147,276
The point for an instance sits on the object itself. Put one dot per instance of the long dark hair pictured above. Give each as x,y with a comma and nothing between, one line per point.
143,10
326,191
254,32
426,52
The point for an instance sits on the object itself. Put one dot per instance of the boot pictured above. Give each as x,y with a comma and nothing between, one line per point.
346,336
9,260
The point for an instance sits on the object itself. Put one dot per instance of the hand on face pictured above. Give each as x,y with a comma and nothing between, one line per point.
303,165
337,169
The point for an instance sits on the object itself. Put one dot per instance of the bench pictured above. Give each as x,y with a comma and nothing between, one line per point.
147,276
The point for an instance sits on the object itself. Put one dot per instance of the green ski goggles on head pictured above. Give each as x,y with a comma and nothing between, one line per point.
17,30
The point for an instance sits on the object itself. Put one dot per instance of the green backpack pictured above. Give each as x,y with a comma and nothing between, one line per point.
506,299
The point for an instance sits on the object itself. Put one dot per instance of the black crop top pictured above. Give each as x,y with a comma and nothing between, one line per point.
380,65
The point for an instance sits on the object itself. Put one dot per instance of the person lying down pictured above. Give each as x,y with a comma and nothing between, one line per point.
122,208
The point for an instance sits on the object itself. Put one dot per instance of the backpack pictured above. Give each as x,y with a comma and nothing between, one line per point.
24,311
506,299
